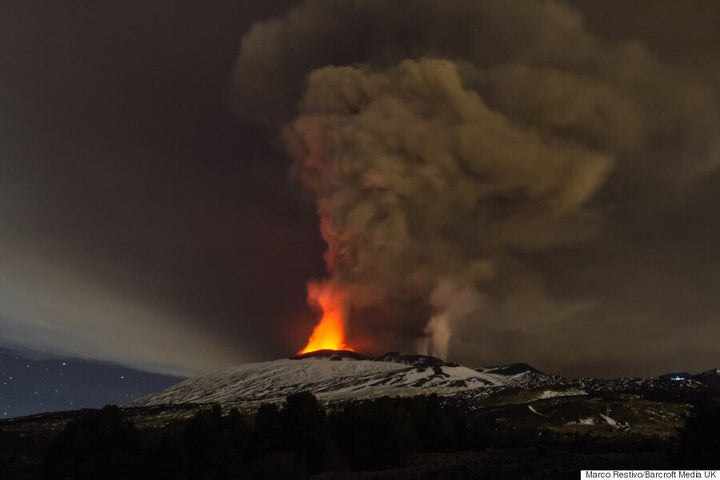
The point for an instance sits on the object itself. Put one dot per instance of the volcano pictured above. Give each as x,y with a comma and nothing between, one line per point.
332,375
344,375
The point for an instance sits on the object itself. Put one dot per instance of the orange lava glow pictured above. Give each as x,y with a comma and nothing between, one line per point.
329,333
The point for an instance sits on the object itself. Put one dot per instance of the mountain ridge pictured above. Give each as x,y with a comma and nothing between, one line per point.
346,375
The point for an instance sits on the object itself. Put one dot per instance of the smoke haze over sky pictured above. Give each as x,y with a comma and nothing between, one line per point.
528,181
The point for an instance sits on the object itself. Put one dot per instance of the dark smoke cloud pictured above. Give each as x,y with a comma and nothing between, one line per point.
122,233
421,188
447,142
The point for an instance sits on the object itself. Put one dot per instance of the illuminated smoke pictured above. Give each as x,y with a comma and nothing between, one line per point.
419,186
442,141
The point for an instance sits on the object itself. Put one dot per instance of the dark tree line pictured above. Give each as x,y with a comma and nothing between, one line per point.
99,443
300,438
700,439
291,440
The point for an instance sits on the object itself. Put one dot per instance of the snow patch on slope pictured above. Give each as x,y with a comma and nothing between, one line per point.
610,421
571,392
327,379
532,409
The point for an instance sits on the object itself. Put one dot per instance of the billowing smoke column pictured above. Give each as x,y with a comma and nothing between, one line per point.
420,186
443,140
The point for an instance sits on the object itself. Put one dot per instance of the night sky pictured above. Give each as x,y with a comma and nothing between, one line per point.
159,201
32,382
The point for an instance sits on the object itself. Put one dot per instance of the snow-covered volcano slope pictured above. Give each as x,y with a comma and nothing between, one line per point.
333,378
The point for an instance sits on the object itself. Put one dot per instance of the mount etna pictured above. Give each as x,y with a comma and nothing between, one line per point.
341,375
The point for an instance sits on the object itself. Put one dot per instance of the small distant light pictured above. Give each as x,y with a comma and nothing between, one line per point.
677,378
122,377
64,364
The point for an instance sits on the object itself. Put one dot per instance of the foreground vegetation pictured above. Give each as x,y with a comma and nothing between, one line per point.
300,438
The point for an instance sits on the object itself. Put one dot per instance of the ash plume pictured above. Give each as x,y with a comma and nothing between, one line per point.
443,141
420,187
